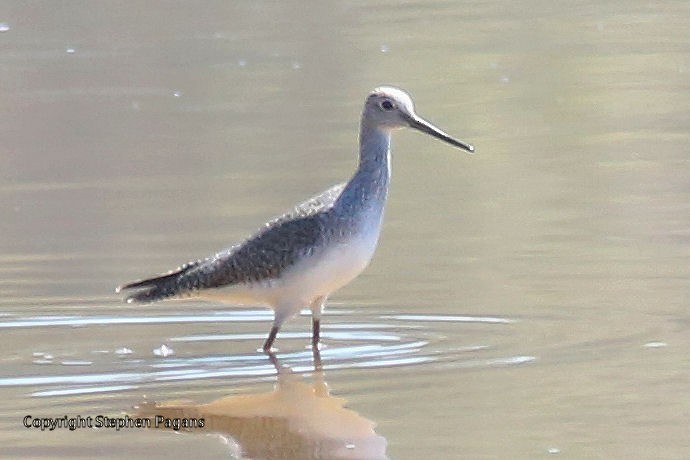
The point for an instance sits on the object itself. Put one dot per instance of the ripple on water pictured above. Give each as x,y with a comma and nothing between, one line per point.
75,362
43,321
81,391
452,319
378,342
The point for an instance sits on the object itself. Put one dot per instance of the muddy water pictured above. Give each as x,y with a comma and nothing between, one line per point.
530,301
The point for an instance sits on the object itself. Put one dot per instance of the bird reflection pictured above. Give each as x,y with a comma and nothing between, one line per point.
297,420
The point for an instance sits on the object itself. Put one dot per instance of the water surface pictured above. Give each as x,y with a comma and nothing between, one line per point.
530,301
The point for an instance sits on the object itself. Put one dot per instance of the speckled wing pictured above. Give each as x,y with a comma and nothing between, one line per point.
265,255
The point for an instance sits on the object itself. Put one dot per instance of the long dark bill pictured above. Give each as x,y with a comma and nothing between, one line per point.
426,127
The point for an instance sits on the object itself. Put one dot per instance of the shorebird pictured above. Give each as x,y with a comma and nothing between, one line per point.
298,259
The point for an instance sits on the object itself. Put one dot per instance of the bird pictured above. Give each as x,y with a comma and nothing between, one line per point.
301,257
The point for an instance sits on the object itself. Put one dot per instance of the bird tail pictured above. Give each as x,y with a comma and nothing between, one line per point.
159,287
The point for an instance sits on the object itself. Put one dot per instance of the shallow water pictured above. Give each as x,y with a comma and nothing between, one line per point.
529,301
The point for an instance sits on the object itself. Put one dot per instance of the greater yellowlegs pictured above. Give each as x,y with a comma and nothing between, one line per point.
299,258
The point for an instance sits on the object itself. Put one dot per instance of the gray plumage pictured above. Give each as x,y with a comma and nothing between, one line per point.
263,256
298,259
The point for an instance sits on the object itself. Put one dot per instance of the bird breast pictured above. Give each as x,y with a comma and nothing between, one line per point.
338,263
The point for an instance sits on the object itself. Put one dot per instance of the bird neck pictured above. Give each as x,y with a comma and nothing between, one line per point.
374,153
368,188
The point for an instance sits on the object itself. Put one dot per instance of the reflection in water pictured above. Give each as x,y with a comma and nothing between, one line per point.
297,420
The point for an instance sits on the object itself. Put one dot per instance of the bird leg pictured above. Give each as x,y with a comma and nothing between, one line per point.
316,354
316,309
315,332
271,337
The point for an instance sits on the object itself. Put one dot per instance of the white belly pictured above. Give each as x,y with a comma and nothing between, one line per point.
316,276
334,268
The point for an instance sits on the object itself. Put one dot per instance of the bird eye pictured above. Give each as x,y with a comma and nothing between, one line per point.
387,105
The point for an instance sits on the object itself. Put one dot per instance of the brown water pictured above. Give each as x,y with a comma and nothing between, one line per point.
527,302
